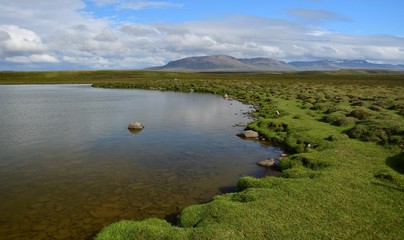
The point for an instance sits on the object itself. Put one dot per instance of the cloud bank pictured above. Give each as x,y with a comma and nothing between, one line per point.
44,35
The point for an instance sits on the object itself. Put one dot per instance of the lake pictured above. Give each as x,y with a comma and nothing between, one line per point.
69,165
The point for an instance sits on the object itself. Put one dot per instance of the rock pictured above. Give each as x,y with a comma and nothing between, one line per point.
248,134
267,163
284,155
240,124
135,126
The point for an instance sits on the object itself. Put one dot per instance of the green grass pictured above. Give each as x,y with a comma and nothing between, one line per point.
344,179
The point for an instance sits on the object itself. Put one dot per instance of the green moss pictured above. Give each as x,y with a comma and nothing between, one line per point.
361,113
376,108
379,130
320,106
340,137
339,119
299,172
148,229
192,216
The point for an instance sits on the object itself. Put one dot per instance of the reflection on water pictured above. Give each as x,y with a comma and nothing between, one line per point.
134,131
69,165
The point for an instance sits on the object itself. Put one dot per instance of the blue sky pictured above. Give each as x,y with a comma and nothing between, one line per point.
355,17
119,34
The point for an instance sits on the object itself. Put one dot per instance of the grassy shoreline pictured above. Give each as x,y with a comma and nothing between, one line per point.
345,179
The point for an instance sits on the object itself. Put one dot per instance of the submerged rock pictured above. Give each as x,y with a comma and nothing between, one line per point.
248,134
135,126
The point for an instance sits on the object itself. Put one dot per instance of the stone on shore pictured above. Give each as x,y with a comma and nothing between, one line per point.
135,126
248,134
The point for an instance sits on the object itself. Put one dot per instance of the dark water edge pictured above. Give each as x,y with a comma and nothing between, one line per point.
69,166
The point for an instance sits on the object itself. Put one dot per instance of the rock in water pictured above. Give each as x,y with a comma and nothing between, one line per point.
267,163
135,126
240,124
248,134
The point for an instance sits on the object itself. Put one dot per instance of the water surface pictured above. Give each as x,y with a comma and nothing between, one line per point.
69,165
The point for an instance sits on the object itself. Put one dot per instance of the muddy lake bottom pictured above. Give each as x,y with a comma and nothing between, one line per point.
69,165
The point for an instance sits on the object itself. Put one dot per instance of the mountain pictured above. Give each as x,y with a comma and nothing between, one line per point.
268,64
224,63
343,64
206,63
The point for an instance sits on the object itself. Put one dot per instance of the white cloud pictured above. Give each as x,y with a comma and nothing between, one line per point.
138,30
318,32
45,17
34,58
317,15
4,36
138,5
101,3
106,35
96,61
15,40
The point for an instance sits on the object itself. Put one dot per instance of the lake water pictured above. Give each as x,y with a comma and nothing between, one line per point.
69,165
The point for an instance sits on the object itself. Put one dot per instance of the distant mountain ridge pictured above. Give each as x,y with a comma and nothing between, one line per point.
268,64
224,63
343,64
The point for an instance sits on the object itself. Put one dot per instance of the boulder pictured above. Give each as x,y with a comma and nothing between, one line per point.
248,134
267,163
135,126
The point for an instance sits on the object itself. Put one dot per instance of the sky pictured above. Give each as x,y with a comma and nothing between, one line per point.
134,34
